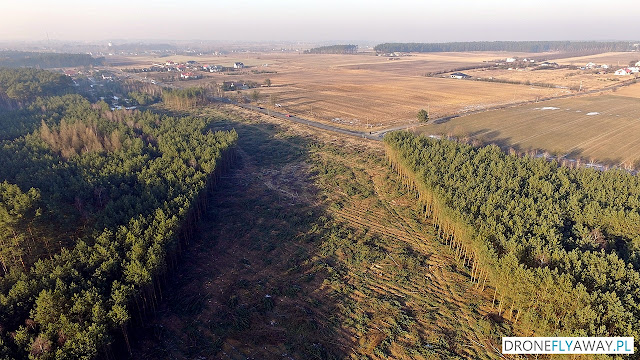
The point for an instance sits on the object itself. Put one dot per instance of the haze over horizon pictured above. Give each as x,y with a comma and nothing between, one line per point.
287,20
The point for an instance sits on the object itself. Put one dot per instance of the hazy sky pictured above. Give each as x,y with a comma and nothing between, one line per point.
398,20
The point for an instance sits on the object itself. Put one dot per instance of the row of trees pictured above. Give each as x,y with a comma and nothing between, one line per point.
333,49
184,98
560,246
514,46
46,60
86,236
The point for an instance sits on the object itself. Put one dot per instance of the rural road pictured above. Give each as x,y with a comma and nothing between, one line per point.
371,136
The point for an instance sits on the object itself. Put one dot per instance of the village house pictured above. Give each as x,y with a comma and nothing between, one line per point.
459,75
238,65
622,72
189,76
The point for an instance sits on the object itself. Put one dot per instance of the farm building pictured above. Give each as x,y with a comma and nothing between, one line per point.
622,72
459,75
238,65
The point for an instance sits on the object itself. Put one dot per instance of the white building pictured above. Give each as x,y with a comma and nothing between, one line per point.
622,72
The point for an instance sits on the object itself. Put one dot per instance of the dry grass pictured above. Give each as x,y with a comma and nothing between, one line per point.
629,91
611,136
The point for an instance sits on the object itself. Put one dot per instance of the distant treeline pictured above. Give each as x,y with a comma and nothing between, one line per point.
144,47
516,46
333,49
46,60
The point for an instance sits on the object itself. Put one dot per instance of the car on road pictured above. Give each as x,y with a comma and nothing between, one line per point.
288,115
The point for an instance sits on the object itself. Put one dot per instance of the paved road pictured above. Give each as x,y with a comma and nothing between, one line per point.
360,134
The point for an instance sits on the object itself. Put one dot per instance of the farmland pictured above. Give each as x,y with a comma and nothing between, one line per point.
614,58
595,128
366,91
629,91
572,79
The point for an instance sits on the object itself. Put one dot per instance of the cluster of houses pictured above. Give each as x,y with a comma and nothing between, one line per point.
629,70
512,60
591,66
514,63
188,70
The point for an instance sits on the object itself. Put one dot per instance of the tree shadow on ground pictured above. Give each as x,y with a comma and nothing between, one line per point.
245,288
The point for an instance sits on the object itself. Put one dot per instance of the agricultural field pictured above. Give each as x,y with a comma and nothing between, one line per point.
365,91
600,128
337,262
632,91
621,59
571,79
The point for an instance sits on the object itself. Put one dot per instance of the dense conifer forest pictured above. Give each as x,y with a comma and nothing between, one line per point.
560,246
94,204
20,86
333,49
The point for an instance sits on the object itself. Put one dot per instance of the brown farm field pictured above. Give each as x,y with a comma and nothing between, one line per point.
600,128
363,91
629,91
621,59
573,79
